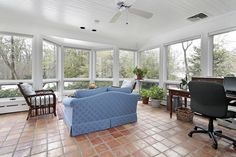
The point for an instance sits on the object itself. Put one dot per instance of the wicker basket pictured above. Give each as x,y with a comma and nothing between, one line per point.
184,114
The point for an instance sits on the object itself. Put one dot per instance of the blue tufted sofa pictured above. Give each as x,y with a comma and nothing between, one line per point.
99,109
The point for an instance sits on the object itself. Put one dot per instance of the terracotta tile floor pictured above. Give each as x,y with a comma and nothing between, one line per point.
155,134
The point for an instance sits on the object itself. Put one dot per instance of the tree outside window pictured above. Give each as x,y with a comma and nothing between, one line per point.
15,57
224,54
104,64
76,64
126,60
149,59
49,61
184,60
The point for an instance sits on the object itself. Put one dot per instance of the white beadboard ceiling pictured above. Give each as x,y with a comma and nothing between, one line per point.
168,15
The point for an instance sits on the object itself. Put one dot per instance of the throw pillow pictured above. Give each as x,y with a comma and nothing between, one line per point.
128,84
27,89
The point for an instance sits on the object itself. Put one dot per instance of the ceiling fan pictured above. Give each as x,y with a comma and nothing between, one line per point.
122,6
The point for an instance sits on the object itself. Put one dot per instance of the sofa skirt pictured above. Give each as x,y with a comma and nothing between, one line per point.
124,119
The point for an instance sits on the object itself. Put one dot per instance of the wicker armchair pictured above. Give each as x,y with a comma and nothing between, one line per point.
39,102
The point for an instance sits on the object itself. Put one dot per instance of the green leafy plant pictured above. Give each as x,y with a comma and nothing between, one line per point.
140,72
157,92
145,93
184,83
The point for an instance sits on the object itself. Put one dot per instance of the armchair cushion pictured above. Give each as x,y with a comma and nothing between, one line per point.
27,89
123,90
42,100
89,92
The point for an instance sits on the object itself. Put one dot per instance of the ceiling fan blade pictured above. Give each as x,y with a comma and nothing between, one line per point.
115,17
141,13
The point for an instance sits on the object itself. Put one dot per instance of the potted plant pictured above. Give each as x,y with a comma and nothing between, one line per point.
92,86
184,83
157,94
145,94
140,72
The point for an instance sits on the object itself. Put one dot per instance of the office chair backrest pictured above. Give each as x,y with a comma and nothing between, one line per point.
230,84
208,99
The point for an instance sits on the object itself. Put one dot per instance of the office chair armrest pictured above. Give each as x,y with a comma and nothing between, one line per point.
232,102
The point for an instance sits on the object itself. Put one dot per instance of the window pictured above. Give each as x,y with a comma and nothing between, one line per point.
49,61
7,91
104,64
148,85
76,64
184,60
150,60
103,83
126,61
224,54
50,85
15,57
76,85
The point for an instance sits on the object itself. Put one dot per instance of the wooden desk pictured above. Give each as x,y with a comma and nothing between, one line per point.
186,94
177,92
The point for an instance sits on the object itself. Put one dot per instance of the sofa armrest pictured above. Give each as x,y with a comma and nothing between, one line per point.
68,102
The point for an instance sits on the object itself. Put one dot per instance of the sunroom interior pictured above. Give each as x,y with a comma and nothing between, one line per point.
66,45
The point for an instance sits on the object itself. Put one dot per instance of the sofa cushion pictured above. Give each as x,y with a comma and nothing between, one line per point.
81,93
122,90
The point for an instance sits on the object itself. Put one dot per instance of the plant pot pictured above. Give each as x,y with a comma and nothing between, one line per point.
145,100
155,103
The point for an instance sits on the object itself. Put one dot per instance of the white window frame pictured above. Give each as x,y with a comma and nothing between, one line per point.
166,56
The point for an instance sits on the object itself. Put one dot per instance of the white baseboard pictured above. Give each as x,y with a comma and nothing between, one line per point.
9,106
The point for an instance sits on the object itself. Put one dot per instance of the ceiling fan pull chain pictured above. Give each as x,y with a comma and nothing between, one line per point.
127,17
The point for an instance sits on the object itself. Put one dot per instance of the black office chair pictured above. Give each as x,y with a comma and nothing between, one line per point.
209,99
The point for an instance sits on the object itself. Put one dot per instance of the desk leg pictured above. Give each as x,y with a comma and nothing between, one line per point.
170,94
185,101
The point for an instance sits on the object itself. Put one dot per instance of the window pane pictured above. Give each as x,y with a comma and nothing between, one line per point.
148,85
76,63
51,85
15,57
126,59
7,91
104,64
103,83
76,85
184,60
150,60
224,54
49,60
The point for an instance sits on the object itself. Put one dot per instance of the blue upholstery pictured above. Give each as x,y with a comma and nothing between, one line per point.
99,112
80,93
124,90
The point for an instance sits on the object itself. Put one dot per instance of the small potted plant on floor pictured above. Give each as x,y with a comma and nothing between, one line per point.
157,94
145,94
140,72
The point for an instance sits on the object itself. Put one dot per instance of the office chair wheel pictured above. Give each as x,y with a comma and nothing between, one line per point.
190,134
215,146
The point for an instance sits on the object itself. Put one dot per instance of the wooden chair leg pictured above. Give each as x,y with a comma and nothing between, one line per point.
54,110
